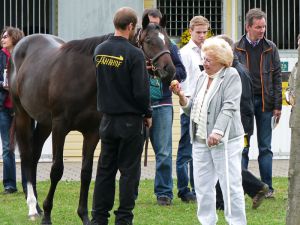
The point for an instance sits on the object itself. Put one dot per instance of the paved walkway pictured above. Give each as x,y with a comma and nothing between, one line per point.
72,170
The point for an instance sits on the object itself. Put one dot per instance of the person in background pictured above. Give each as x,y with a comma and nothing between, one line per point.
124,119
214,110
261,57
252,186
10,36
291,90
161,130
193,63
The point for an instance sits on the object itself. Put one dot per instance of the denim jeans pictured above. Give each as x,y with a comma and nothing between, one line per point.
264,138
245,158
9,163
161,139
184,161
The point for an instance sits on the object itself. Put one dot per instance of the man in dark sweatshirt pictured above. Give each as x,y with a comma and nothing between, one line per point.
124,100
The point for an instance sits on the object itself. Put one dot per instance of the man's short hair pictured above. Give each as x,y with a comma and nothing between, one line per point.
198,21
226,38
123,17
152,12
252,14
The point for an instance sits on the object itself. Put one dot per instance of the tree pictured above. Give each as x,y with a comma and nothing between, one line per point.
293,208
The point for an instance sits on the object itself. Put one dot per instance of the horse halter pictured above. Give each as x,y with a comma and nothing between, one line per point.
149,60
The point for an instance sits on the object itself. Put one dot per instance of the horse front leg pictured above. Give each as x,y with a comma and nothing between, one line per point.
58,139
90,142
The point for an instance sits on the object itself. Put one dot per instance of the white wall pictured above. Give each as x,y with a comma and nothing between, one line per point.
281,138
80,19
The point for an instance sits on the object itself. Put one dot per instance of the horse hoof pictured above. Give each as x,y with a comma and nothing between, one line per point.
86,221
33,217
46,223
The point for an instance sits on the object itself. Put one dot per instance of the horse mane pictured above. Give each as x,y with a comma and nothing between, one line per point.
85,46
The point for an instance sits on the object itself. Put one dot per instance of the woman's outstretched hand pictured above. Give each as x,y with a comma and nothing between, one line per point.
175,87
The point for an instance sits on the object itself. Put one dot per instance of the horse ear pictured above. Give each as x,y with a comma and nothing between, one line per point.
163,21
145,21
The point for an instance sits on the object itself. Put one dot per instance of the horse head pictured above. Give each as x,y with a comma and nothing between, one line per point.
155,43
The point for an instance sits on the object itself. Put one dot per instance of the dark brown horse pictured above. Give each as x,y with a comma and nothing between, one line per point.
53,86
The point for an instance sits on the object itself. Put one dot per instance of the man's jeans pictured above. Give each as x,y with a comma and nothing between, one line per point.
161,139
184,161
264,138
9,163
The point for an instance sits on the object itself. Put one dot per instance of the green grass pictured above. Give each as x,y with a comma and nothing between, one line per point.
13,208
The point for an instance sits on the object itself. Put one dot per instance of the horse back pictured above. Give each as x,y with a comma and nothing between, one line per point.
54,81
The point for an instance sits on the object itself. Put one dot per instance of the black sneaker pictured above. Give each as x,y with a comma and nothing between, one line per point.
164,201
270,194
123,223
9,191
189,197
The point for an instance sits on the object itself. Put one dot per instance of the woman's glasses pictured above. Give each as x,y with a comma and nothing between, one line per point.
206,60
4,36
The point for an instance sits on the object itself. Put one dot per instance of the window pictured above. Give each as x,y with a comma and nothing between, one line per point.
31,16
282,20
180,12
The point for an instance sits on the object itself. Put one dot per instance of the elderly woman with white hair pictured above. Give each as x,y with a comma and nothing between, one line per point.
214,110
